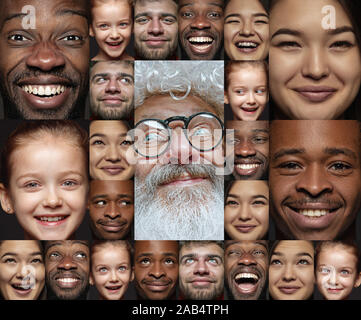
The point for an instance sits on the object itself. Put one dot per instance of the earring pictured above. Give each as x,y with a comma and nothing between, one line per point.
8,210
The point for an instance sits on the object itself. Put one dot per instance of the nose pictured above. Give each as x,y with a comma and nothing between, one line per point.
112,210
200,22
315,64
114,33
180,150
45,56
251,98
22,270
155,27
314,181
244,213
245,148
113,276
67,263
247,29
157,270
201,267
247,259
52,198
112,153
288,274
112,86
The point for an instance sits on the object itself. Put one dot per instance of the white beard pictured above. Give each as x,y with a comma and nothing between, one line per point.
179,213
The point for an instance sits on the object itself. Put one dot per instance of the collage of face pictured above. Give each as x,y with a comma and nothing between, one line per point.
180,150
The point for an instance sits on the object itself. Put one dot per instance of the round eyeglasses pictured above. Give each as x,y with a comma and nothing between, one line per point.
152,137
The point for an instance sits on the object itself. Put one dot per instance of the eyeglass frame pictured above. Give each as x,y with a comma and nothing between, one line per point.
186,121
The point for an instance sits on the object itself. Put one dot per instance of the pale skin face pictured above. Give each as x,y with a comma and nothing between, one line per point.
336,272
111,90
246,30
247,92
201,271
246,210
180,151
111,271
155,29
109,145
112,28
22,271
49,200
291,270
314,73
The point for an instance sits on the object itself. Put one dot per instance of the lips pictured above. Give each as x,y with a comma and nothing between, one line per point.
246,167
200,43
67,281
245,228
157,286
113,226
155,42
114,44
201,282
312,214
246,281
315,94
52,220
47,92
249,109
289,289
113,288
184,179
22,289
112,170
246,46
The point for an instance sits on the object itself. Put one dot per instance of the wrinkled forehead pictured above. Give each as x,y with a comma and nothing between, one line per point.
164,106
66,245
247,128
155,6
42,10
111,68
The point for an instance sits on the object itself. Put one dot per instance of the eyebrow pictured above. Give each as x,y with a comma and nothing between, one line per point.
150,14
149,254
71,12
121,195
105,136
237,15
301,254
209,4
118,74
337,151
16,254
253,197
297,33
208,255
73,242
287,152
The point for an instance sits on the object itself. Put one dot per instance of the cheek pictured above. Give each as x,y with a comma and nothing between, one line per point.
229,33
347,69
6,274
230,215
96,213
263,149
261,215
282,69
261,100
96,154
263,32
101,36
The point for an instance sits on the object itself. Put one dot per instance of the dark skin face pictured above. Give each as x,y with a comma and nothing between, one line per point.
67,268
44,71
200,24
315,178
156,269
250,146
111,208
246,265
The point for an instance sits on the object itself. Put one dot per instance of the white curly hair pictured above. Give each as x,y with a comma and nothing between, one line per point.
179,79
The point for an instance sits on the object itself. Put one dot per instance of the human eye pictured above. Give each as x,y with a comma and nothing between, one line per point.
259,139
324,270
32,185
124,203
142,20
289,167
97,142
259,203
258,253
288,45
169,20
189,261
341,45
304,262
262,20
18,38
214,260
233,253
103,26
126,143
187,14
232,20
276,262
54,255
126,80
69,183
100,80
80,255
169,261
73,37
100,203
36,261
260,91
123,268
240,91
10,260
124,24
145,262
345,272
341,168
214,15
232,203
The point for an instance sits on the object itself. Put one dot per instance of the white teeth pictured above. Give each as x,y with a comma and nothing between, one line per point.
313,213
200,39
51,219
46,91
247,44
248,166
246,276
67,280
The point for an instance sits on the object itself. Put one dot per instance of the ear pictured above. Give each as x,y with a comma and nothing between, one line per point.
358,281
91,31
5,200
226,101
91,279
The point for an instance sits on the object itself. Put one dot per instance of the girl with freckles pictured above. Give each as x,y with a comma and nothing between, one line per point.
111,268
337,269
44,178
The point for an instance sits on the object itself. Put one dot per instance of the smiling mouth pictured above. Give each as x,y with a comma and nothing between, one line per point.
114,44
22,287
47,91
113,288
201,44
249,109
247,46
246,281
288,289
313,213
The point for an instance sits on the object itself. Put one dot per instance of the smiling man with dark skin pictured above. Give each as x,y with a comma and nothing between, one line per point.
156,269
67,269
246,267
200,24
315,178
248,142
44,68
111,208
